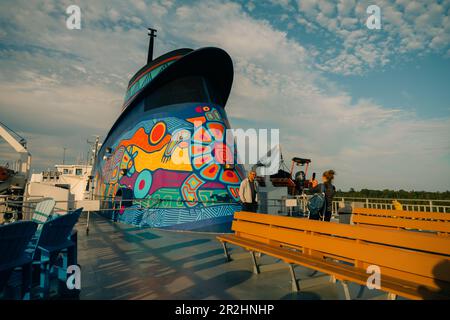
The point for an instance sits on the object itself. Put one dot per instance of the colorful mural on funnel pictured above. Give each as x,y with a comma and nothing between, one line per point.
166,156
173,160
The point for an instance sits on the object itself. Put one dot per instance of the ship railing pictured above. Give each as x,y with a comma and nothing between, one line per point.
25,206
345,204
340,204
281,206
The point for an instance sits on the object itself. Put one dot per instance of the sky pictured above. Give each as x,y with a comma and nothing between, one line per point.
372,104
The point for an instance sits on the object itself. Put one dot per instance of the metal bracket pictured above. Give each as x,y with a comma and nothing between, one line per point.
361,291
295,286
314,273
225,249
255,265
391,296
346,291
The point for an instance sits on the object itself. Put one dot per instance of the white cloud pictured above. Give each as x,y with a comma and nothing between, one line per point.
345,7
60,101
250,6
139,4
406,27
309,7
327,7
327,126
52,116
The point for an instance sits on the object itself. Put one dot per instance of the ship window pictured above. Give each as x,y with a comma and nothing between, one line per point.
187,89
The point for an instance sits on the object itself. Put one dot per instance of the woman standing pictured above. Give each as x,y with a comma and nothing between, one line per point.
329,189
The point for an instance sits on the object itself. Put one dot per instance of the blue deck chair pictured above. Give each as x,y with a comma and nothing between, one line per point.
43,211
54,239
14,238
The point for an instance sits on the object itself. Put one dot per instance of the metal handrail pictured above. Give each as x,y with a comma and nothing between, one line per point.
112,204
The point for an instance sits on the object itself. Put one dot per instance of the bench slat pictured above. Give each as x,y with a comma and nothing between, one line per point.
437,216
402,223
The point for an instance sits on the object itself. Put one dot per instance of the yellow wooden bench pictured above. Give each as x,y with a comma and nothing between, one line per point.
408,220
412,264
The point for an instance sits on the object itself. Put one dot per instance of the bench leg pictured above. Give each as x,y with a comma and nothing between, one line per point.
361,291
255,265
44,281
346,291
391,296
333,279
44,277
225,250
295,287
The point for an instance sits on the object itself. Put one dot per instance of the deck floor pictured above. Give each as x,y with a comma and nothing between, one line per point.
120,261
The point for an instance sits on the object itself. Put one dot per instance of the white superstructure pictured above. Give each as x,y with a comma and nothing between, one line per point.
74,178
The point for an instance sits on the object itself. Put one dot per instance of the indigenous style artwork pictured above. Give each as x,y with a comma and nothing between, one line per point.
174,168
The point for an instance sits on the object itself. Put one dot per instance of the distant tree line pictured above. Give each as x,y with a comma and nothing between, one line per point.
400,194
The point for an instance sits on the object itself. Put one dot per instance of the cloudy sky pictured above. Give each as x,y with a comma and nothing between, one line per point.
372,104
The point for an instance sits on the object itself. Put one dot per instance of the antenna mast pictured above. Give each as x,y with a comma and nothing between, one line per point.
152,34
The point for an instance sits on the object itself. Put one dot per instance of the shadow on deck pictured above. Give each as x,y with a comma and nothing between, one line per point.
119,261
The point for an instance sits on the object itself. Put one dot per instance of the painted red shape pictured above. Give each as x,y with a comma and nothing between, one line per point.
230,177
157,133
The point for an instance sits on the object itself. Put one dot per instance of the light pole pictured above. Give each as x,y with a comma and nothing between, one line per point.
91,177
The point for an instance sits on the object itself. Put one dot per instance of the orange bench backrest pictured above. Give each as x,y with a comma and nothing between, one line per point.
430,216
429,221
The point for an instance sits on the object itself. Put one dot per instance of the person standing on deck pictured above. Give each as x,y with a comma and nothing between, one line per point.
329,189
248,193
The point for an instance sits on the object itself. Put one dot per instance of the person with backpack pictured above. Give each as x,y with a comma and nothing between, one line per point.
320,204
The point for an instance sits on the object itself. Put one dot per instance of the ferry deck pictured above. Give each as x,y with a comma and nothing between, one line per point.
125,262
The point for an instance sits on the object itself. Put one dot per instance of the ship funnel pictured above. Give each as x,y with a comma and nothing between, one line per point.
152,34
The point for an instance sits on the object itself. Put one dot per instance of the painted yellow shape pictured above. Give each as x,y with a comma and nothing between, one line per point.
397,205
179,160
